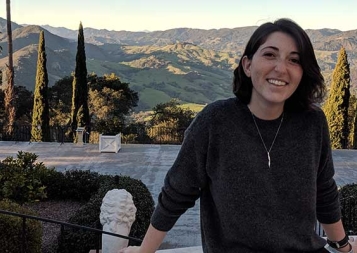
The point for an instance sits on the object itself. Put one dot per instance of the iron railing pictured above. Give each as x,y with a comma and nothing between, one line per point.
23,133
63,225
62,134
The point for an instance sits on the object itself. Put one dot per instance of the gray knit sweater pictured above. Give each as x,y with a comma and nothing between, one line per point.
246,206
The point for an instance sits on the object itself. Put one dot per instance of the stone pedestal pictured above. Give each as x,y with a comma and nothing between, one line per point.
80,131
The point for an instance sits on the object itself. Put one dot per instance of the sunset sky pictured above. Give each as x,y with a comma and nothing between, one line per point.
152,15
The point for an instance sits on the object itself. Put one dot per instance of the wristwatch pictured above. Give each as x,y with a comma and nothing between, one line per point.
340,244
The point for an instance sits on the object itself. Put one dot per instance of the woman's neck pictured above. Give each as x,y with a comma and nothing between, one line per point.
266,112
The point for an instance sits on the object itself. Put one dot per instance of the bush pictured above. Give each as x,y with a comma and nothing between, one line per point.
20,179
78,185
11,230
142,199
55,183
348,197
94,137
88,215
136,133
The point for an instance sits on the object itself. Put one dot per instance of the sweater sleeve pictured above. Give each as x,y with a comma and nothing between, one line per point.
186,177
327,199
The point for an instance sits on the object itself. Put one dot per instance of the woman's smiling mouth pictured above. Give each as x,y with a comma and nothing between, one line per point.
277,82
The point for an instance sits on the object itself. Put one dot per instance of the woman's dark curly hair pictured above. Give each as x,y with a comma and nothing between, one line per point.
312,86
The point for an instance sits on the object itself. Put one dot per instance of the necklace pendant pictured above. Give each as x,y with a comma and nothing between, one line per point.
261,137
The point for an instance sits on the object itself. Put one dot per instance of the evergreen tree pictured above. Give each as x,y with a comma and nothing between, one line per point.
40,130
336,106
80,86
353,122
171,115
9,99
171,119
60,101
110,101
23,107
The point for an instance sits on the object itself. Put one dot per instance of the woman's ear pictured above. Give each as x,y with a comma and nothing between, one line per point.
246,63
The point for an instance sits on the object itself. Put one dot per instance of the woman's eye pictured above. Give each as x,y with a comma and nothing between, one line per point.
296,61
268,54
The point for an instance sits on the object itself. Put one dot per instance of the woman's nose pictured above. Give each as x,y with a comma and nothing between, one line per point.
280,66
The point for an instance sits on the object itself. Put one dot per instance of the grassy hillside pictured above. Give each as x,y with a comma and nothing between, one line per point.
182,70
192,65
194,107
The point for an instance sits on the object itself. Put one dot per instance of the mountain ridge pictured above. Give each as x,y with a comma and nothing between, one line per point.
193,65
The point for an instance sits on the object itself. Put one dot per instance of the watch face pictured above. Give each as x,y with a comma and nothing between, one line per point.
328,248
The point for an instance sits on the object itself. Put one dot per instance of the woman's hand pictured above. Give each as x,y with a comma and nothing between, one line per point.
131,249
150,244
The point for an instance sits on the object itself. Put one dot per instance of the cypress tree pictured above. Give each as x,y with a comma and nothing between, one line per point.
80,86
40,116
353,122
336,106
9,99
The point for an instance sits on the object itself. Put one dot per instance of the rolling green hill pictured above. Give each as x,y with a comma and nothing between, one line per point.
192,65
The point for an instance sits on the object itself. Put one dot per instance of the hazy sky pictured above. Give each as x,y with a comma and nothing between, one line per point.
152,15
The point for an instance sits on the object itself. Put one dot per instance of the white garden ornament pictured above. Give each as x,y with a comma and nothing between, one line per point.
117,215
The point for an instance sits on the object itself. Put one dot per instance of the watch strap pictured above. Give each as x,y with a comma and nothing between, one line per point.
338,244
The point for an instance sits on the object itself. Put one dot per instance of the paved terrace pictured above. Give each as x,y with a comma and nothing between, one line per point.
148,163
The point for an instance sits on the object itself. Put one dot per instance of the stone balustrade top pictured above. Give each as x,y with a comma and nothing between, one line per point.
197,249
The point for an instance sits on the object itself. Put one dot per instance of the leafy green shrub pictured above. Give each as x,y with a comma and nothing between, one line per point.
88,215
94,137
136,133
142,199
78,185
129,138
55,182
81,185
20,178
348,197
11,227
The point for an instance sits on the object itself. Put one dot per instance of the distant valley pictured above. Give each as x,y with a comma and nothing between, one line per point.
192,65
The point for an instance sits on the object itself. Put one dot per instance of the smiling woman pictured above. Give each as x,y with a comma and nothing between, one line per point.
275,72
267,149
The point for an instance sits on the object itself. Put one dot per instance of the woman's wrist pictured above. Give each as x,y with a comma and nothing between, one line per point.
347,248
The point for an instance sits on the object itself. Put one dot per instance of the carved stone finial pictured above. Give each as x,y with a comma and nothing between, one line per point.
117,215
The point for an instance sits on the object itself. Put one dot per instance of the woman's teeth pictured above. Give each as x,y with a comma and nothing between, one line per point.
276,82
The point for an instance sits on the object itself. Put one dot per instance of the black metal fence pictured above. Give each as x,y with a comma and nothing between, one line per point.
64,225
23,133
62,134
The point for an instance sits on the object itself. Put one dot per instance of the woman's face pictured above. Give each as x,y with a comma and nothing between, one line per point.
275,71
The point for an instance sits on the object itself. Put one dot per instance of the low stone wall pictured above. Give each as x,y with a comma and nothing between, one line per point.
181,250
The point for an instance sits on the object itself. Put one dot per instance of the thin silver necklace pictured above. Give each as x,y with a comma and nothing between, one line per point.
276,134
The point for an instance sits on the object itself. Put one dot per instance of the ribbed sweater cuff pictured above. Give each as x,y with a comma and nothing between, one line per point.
161,220
329,217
